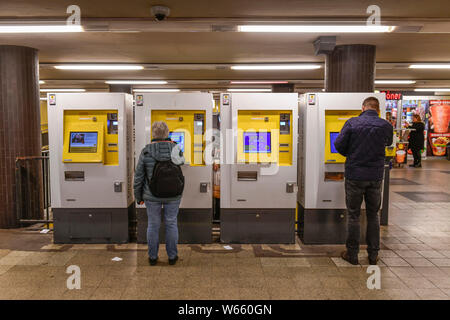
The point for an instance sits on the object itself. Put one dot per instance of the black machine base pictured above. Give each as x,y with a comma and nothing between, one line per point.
257,226
194,226
99,225
326,226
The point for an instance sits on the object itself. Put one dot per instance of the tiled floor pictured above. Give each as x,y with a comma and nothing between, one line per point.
415,261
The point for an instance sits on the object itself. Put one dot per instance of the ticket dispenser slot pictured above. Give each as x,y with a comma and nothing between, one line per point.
187,129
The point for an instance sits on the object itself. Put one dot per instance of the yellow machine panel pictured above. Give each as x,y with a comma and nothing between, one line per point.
187,128
334,121
264,137
91,136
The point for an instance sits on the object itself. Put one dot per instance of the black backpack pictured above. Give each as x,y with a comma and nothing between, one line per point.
167,180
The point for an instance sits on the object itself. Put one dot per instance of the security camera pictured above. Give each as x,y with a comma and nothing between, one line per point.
160,12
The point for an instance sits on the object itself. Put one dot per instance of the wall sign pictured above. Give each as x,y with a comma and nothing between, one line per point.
392,95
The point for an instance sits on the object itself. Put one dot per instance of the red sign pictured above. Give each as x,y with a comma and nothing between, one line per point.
393,95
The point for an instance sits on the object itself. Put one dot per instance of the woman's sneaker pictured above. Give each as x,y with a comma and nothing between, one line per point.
152,261
173,261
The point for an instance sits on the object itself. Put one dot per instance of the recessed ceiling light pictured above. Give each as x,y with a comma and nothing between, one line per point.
430,66
63,90
156,90
394,81
433,89
277,67
99,67
136,82
40,28
250,90
259,82
315,28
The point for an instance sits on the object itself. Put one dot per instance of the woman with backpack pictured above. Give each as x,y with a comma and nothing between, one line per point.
159,183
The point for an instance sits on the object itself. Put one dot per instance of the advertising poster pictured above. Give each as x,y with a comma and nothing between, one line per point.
439,134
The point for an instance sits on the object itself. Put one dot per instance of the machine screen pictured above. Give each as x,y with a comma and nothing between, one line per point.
178,137
333,136
257,142
83,142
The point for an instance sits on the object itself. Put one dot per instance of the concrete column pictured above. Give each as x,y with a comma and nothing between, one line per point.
20,134
350,68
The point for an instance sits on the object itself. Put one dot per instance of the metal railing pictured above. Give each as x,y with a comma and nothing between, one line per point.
33,189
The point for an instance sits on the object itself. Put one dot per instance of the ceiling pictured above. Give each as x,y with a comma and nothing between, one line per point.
125,32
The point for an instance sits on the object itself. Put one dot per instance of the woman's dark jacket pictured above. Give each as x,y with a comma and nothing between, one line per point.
416,137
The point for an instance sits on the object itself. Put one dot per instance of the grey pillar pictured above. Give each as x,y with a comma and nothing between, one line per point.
20,132
350,68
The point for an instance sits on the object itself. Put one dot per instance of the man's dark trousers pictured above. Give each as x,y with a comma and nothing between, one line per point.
355,192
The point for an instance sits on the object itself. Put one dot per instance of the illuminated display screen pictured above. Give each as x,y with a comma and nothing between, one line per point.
83,142
257,142
177,137
333,136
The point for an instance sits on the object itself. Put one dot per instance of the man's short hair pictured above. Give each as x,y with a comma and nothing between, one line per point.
372,103
160,130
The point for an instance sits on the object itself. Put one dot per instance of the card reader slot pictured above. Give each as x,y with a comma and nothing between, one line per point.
247,175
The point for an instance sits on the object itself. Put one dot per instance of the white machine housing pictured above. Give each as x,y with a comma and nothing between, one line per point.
268,192
315,193
98,193
193,200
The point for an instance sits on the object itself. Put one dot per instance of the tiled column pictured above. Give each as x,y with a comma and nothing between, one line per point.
19,127
350,68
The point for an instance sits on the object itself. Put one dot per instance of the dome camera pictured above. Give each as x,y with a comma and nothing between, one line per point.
160,12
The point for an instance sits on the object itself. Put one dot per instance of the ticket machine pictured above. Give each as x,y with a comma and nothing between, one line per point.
258,167
189,118
321,197
90,139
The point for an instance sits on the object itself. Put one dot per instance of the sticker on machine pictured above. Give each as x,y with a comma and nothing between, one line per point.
139,100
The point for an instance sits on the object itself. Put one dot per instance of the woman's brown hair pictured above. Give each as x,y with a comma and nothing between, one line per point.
417,116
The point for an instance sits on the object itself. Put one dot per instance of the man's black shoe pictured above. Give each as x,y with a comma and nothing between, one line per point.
152,261
373,261
351,260
173,261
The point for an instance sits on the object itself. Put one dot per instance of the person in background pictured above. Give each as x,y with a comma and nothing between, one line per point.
416,140
363,140
161,149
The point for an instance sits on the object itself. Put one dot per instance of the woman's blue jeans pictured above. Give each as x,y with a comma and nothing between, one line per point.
154,223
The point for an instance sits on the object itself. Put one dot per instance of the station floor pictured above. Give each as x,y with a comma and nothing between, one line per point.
415,260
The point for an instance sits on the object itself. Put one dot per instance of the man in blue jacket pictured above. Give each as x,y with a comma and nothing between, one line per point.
363,140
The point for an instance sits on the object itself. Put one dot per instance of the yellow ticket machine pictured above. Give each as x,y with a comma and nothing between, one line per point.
321,197
189,118
258,182
91,160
